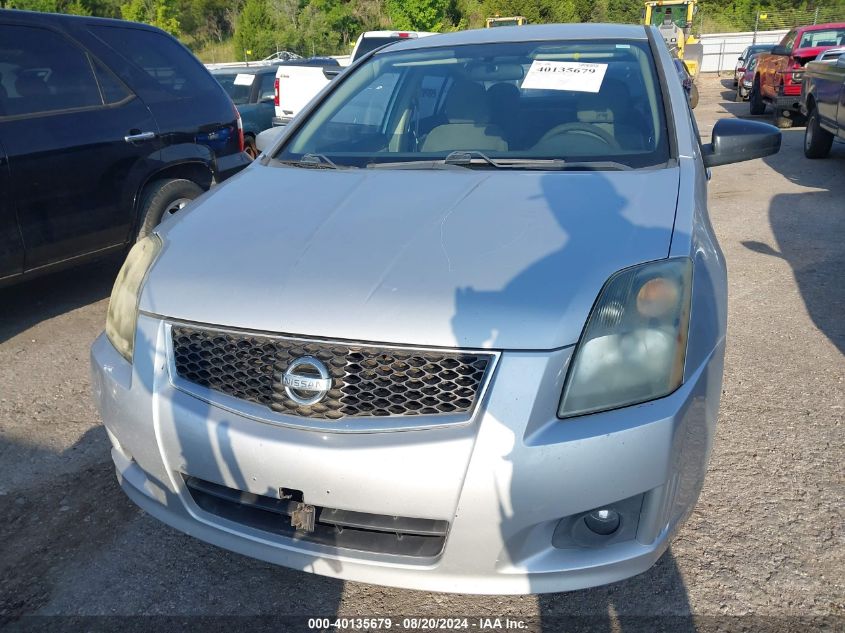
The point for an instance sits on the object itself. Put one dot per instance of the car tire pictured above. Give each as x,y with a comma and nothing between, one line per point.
693,96
166,196
756,105
817,140
249,147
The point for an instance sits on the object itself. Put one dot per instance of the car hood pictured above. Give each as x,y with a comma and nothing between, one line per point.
466,258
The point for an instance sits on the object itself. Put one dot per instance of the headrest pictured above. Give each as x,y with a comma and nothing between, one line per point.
466,103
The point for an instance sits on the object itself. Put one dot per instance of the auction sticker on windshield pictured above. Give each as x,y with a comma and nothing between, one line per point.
575,76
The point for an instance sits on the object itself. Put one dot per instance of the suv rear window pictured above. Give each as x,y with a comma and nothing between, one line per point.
161,57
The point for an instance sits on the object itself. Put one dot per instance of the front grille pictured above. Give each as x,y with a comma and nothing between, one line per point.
367,380
344,529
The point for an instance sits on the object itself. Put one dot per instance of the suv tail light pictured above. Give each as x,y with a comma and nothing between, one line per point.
276,92
240,130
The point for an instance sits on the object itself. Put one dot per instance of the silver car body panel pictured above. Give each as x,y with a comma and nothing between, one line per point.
504,478
408,255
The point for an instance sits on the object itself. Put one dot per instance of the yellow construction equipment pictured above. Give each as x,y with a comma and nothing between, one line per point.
516,20
673,18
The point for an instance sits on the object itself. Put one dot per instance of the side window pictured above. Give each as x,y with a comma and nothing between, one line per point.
172,67
431,91
112,89
267,89
41,71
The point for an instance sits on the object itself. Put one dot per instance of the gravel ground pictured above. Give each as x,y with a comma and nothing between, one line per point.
763,549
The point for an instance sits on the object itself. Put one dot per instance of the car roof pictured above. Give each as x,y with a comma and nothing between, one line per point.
528,33
822,27
38,17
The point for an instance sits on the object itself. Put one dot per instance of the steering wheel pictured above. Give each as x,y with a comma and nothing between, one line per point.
580,128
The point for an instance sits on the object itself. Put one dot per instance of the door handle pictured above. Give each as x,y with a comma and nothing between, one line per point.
140,136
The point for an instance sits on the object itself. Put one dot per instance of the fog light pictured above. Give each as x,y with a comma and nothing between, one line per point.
602,522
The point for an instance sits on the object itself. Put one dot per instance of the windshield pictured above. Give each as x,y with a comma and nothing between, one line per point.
827,37
237,85
572,101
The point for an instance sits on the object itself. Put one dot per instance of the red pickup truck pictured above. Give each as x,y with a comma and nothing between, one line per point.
777,81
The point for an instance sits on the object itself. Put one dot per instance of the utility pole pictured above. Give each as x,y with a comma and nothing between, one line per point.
756,24
816,16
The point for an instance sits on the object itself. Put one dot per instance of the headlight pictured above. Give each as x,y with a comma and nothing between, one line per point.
633,346
123,305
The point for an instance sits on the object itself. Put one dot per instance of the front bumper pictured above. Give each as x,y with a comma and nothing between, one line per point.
504,480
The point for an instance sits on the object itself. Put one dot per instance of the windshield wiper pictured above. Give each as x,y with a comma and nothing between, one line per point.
465,157
314,161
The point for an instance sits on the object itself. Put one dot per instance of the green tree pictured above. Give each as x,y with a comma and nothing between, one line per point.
255,30
160,13
418,15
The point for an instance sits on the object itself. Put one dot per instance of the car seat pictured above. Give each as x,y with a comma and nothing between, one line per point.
468,125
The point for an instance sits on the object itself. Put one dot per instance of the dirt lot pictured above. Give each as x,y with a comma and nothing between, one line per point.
766,541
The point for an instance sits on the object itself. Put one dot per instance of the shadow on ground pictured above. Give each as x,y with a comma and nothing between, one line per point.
30,302
809,229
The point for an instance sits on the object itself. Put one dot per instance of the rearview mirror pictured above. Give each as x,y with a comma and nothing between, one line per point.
736,140
268,138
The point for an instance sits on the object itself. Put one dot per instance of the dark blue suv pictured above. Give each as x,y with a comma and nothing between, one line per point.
105,127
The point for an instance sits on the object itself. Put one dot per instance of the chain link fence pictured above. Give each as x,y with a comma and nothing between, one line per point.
764,20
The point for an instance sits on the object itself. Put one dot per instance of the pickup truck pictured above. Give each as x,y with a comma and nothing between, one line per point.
823,102
299,82
779,74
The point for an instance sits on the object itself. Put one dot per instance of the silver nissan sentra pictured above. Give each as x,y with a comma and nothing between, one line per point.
459,328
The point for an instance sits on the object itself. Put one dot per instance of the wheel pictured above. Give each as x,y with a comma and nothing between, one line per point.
693,96
166,196
817,140
780,121
756,104
250,148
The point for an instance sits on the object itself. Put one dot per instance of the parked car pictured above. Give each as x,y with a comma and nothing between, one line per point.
105,127
297,82
467,334
823,102
369,41
743,89
777,80
687,82
745,58
252,90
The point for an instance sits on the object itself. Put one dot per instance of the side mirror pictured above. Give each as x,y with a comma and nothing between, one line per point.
840,61
780,50
736,140
268,138
267,99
